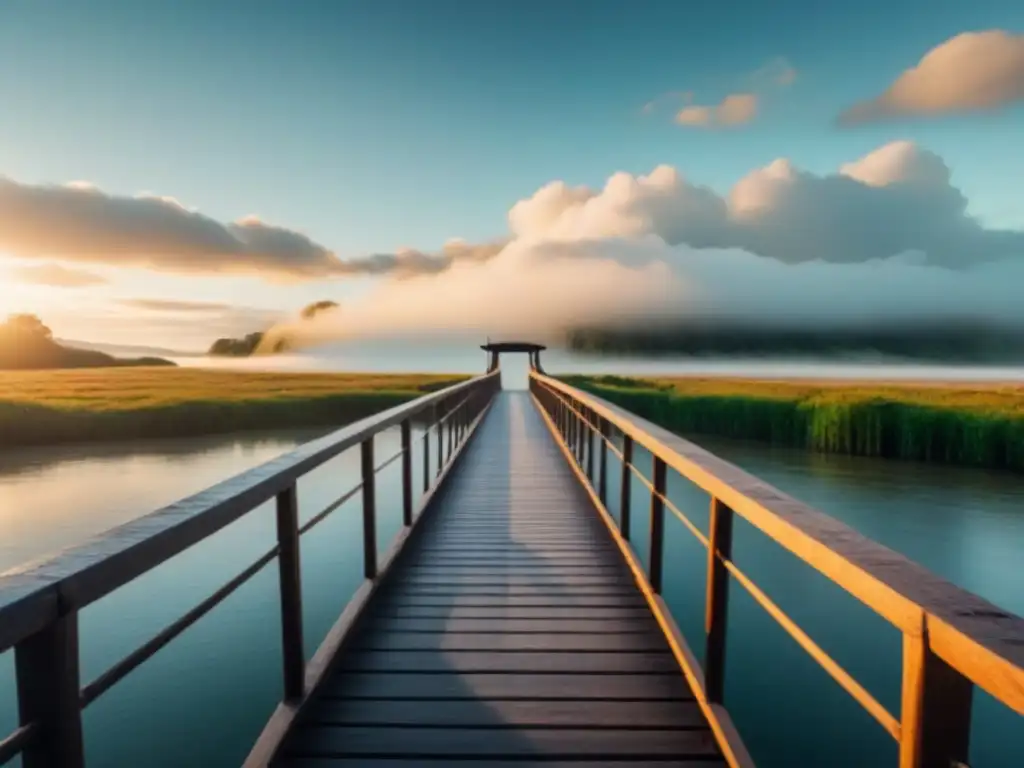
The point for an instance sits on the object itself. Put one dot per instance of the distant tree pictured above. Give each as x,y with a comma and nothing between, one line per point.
236,347
28,325
312,310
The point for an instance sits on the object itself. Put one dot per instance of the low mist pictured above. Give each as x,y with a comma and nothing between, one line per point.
881,255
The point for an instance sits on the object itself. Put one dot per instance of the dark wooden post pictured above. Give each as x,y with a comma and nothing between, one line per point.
602,484
936,710
717,600
589,431
426,459
291,593
578,418
625,491
369,510
406,473
48,676
440,444
657,525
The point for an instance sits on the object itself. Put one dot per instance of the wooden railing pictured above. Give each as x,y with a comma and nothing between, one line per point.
39,605
952,639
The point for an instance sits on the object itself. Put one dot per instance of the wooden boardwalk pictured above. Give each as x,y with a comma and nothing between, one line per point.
510,632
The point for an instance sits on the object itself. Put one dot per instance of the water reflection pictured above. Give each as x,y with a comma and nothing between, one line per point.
964,524
202,700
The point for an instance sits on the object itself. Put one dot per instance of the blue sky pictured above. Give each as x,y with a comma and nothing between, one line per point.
375,125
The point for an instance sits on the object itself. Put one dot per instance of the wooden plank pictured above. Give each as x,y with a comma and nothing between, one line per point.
553,590
509,714
562,601
537,579
555,626
638,612
506,560
513,661
491,686
547,550
419,762
501,742
483,567
509,641
518,538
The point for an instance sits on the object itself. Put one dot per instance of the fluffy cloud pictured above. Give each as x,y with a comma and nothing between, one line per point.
894,200
56,276
734,109
885,239
78,222
972,71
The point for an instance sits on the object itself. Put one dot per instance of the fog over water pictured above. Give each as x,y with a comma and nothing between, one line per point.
466,357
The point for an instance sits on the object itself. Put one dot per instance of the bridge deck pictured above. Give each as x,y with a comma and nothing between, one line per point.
511,631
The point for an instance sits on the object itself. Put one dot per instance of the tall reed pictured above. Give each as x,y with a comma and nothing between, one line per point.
952,425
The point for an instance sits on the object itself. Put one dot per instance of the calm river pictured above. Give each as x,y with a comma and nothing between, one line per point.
202,700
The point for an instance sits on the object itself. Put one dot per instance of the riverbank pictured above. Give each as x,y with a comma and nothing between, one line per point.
52,407
970,424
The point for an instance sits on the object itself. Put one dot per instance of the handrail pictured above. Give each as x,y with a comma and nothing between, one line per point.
952,639
40,601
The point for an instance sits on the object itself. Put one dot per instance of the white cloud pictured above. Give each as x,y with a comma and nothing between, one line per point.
970,72
77,222
884,239
734,109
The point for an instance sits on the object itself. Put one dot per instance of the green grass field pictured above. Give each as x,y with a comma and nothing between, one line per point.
47,407
975,424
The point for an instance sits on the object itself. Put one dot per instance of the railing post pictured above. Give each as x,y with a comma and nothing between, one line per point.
573,448
406,473
440,443
602,483
717,600
426,459
293,655
657,544
578,420
47,670
369,510
589,431
935,722
625,491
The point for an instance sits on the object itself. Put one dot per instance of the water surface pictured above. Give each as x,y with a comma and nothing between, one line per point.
966,525
202,700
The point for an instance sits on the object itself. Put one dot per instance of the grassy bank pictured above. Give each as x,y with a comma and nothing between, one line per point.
47,407
969,424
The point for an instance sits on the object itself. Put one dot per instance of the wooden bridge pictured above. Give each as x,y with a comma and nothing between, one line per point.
511,621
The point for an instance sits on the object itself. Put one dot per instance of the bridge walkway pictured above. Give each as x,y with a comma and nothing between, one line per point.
509,632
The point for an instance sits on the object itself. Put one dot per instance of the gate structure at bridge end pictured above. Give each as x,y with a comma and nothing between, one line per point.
496,349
